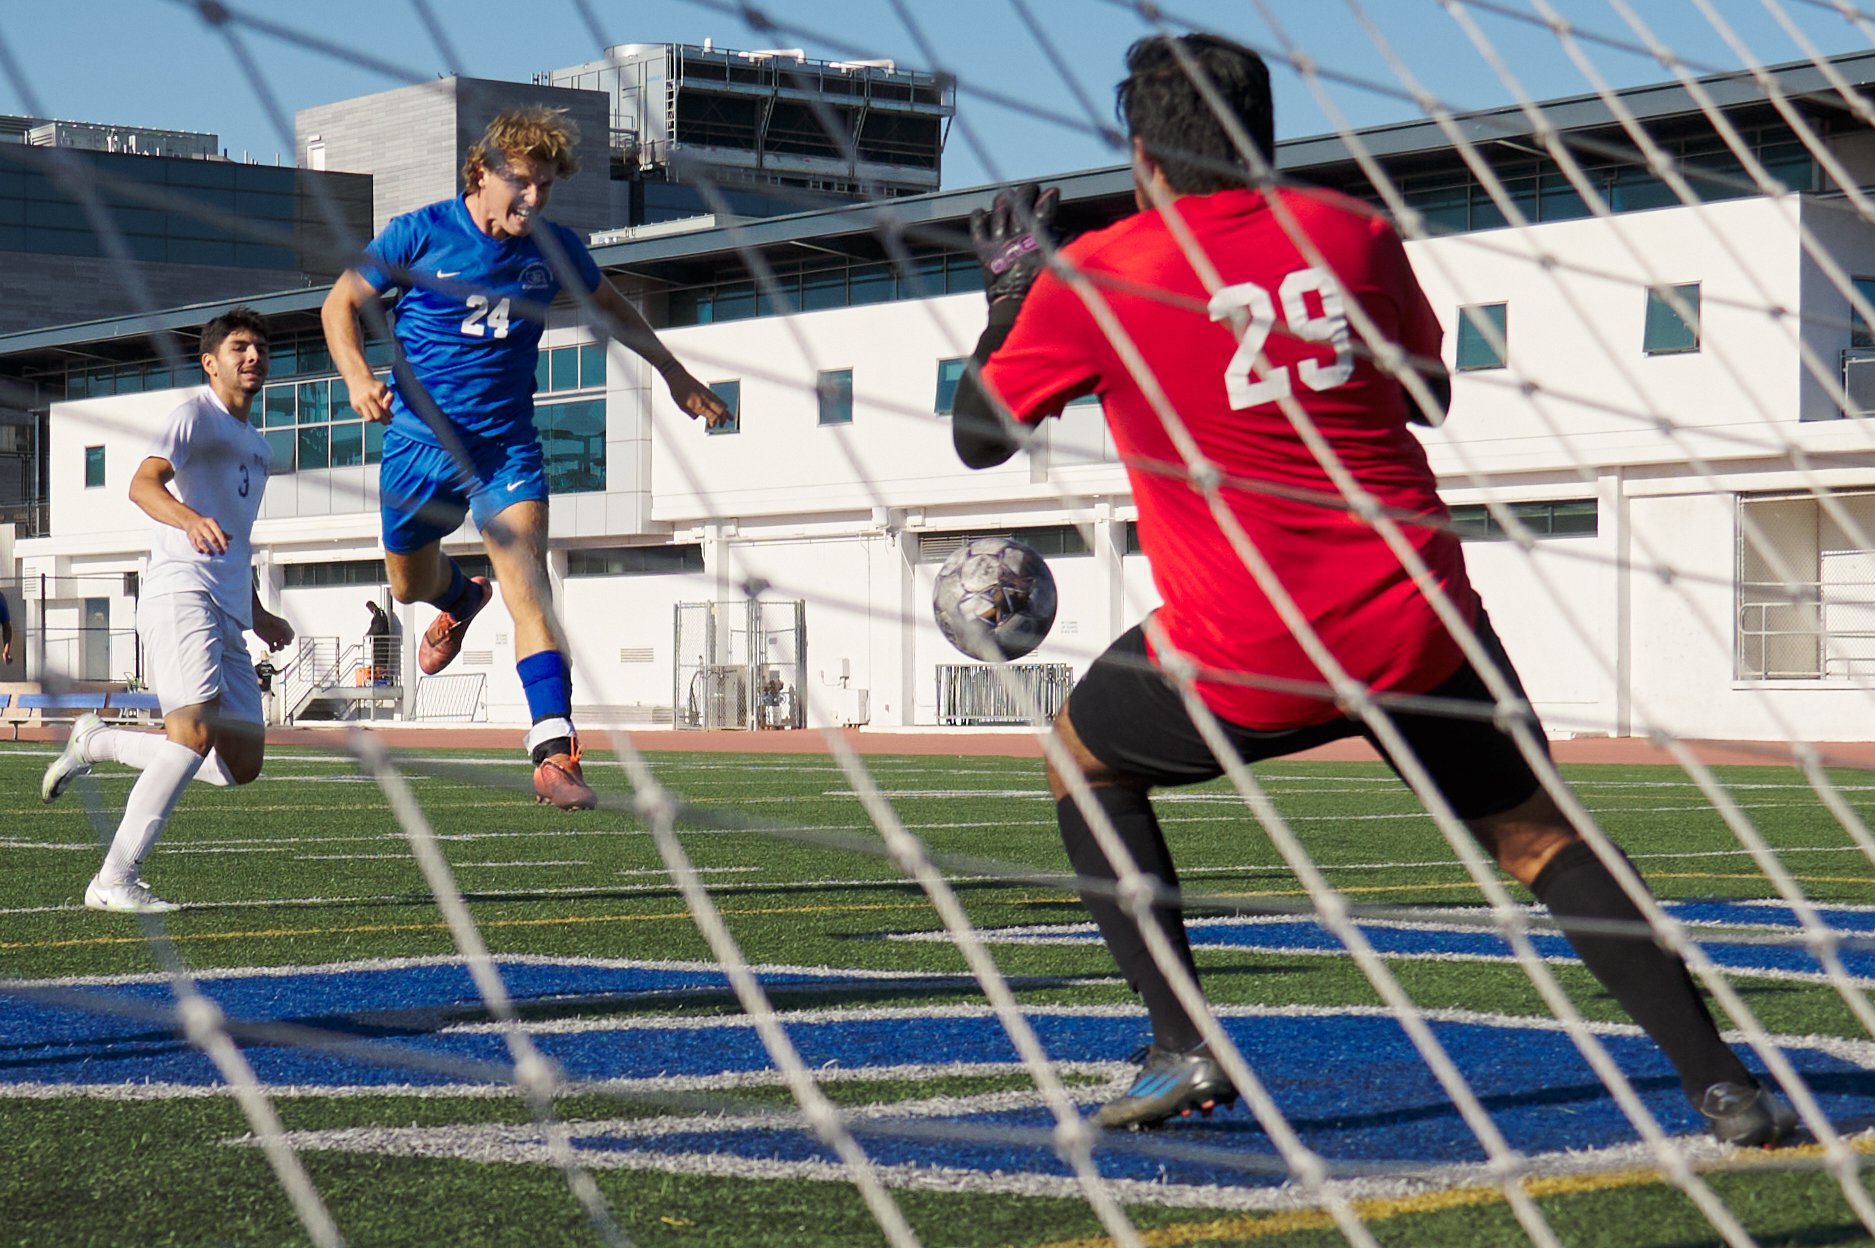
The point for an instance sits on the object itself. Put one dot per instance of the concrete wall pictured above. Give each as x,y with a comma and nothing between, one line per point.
412,141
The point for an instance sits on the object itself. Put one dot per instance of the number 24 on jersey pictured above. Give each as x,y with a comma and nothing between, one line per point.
1251,306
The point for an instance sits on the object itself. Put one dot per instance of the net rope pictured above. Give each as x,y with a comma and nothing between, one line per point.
538,1083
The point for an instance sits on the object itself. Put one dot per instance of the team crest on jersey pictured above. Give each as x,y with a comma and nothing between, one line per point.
536,277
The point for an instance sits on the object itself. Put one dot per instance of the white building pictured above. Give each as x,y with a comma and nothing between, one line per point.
1703,509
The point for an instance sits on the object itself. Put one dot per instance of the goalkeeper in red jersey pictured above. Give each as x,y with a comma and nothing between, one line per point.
1228,302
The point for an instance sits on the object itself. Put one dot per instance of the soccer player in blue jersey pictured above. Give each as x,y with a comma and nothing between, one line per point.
476,274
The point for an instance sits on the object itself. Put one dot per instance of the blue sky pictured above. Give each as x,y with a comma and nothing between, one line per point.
156,62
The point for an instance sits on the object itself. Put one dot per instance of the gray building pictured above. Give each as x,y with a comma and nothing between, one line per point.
843,130
411,141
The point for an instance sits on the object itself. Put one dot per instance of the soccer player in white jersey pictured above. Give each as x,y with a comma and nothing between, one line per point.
201,483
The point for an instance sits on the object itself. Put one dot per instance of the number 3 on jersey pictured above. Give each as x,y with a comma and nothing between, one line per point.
482,318
1249,305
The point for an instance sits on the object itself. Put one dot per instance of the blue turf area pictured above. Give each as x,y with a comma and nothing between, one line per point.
1351,1084
1409,939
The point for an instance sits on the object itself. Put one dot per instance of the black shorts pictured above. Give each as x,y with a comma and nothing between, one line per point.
1130,717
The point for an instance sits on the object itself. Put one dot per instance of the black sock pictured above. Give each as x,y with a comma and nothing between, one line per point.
547,749
1131,815
461,597
1651,984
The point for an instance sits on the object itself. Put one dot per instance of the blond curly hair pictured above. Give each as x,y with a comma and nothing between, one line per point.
540,134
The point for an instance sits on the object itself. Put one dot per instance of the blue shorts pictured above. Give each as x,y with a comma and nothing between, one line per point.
423,492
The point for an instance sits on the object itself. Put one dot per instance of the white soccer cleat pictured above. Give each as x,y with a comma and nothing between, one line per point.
134,897
74,761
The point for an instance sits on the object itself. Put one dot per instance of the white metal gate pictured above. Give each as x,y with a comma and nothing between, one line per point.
739,664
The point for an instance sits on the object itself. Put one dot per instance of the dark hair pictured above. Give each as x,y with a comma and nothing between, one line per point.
1160,103
227,323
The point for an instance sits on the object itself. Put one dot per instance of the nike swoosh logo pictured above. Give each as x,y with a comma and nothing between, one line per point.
515,485
441,274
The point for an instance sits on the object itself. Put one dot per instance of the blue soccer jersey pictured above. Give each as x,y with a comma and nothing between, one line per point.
473,345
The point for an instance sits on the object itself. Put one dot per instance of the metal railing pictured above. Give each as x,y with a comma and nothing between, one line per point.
984,694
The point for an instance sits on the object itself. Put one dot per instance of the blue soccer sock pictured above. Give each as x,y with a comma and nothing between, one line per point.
548,684
462,598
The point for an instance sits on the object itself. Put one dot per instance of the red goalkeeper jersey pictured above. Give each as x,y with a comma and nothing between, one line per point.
1200,343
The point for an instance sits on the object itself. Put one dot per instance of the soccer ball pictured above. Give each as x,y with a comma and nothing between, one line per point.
995,599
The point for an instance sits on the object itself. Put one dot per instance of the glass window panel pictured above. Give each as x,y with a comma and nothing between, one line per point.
563,368
341,400
572,438
690,307
923,276
314,403
730,392
77,384
778,296
374,443
826,289
1667,332
312,356
949,373
735,302
1573,518
348,445
1859,333
835,390
1476,347
1444,207
592,366
278,407
282,360
315,446
1559,201
159,377
1635,190
543,372
94,467
103,381
130,379
962,273
280,442
869,283
378,353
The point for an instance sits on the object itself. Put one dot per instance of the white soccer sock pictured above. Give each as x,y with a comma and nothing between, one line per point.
547,730
139,749
152,798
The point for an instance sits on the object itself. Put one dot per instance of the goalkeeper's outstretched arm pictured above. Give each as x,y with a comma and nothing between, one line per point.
981,428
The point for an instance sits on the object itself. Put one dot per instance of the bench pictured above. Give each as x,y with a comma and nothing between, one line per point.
18,710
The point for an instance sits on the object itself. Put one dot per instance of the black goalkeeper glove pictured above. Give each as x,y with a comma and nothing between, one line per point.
1008,239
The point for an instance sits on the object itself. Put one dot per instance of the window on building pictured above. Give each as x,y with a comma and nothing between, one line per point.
635,561
730,392
835,388
949,373
1668,332
1483,335
1574,517
1861,338
560,370
1049,540
94,467
310,425
572,440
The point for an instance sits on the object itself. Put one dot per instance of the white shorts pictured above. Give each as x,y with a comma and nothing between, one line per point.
193,652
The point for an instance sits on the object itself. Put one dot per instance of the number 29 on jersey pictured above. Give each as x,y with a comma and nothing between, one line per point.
1251,306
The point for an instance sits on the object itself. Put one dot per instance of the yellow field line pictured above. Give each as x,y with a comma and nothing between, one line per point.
1264,1226
275,933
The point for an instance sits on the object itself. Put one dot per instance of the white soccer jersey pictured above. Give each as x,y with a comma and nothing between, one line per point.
221,471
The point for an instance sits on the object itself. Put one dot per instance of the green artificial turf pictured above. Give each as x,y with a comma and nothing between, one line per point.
309,866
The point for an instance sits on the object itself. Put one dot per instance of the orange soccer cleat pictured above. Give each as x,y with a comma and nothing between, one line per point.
442,641
559,782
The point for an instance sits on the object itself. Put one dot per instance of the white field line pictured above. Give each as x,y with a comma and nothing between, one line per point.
520,1144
